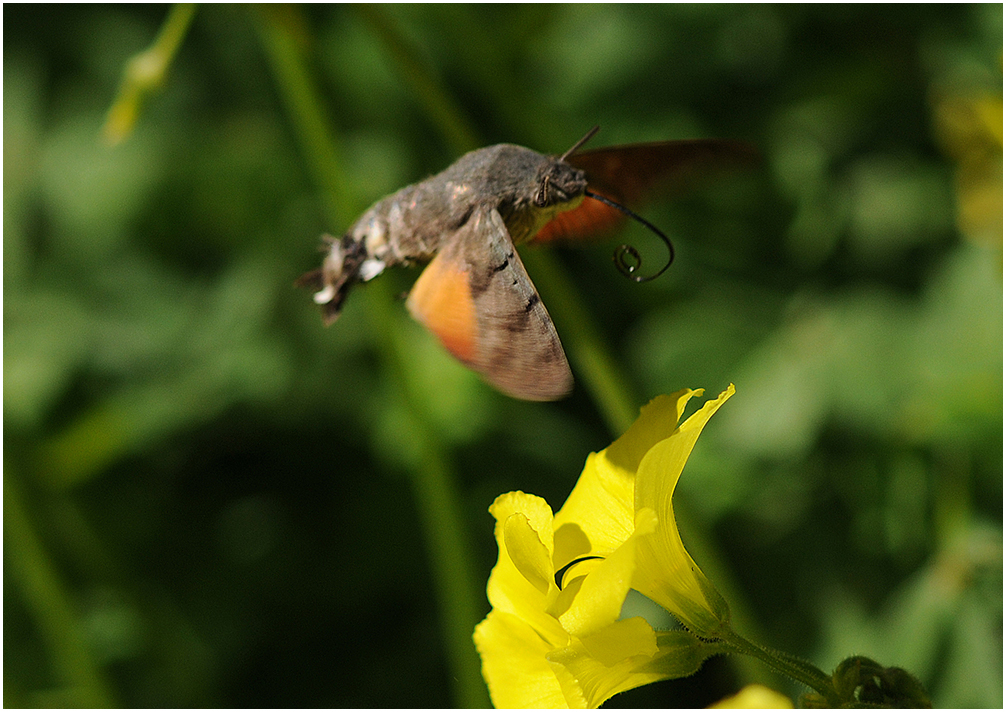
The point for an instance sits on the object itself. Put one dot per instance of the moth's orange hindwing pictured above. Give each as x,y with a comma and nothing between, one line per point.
441,300
477,298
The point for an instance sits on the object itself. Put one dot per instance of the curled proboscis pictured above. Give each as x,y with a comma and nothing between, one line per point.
626,267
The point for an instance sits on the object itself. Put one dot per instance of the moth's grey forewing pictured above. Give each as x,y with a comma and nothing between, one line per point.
518,350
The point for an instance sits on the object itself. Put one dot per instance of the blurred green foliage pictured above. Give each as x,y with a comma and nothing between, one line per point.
209,498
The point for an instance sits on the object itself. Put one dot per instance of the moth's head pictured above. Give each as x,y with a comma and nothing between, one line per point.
558,183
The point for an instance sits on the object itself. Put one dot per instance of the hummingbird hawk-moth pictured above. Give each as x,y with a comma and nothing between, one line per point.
474,294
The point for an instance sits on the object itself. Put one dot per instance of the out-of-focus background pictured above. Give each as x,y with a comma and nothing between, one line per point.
212,500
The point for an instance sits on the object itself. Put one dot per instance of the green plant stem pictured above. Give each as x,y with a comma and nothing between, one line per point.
175,27
461,597
285,36
44,595
793,667
592,360
145,72
426,86
433,480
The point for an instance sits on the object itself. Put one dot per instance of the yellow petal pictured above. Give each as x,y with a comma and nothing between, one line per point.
657,420
509,589
599,513
624,639
588,682
655,483
514,664
528,553
599,601
535,509
665,571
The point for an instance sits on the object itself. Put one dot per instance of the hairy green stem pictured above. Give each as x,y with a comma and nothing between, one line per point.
793,667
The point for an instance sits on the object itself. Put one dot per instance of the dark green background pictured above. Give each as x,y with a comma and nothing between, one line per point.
209,498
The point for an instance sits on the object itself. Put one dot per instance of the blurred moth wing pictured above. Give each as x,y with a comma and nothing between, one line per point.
476,296
630,174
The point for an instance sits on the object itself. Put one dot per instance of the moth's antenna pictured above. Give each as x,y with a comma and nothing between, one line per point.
626,268
579,144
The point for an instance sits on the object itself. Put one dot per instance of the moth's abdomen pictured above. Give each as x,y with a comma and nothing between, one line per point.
408,226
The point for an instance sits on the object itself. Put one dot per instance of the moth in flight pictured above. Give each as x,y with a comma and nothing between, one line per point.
474,294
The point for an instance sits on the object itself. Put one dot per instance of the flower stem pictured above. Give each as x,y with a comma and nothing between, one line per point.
789,665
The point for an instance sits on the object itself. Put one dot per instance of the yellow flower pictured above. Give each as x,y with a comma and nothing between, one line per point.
555,636
755,697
